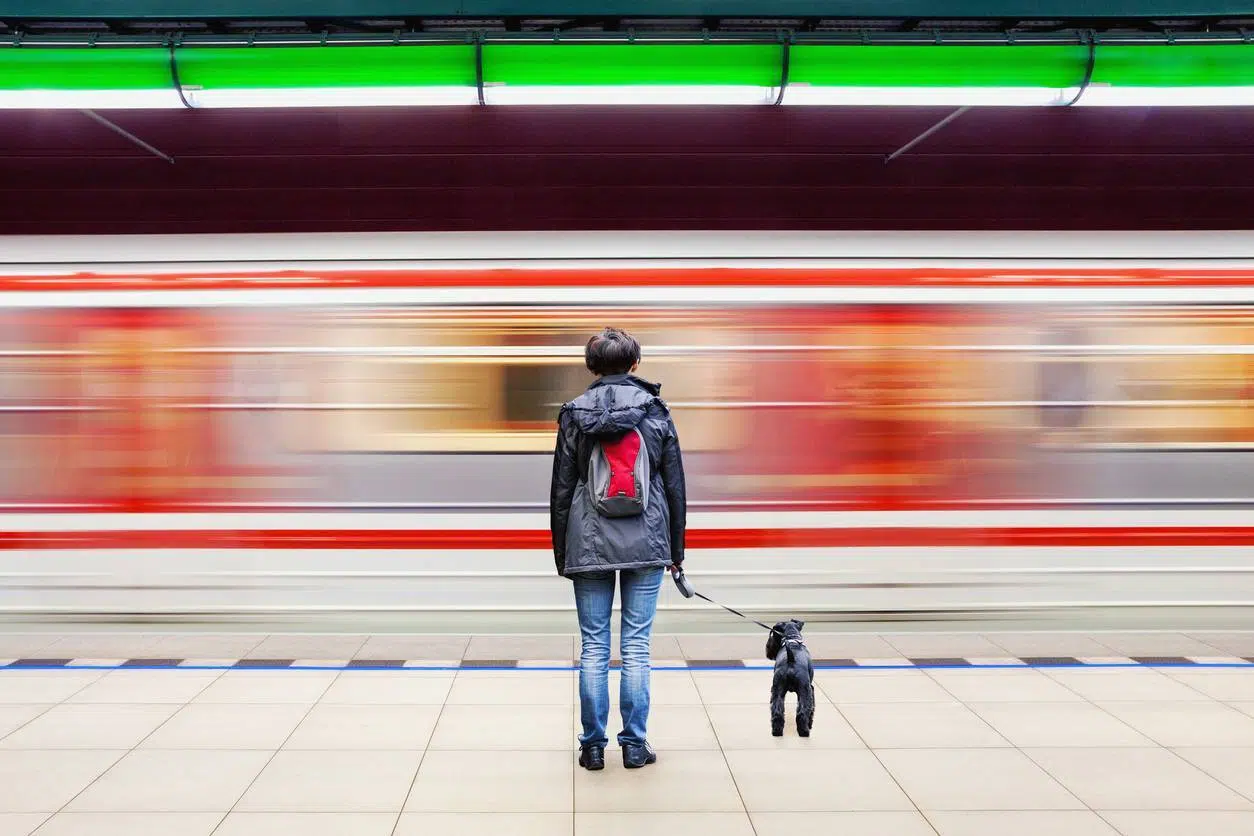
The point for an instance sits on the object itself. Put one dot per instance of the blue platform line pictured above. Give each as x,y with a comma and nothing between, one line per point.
569,668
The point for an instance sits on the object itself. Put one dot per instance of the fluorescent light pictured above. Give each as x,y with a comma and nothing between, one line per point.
638,94
800,94
331,96
1103,95
88,99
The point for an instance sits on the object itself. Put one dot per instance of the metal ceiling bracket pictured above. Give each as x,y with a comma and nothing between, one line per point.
123,132
942,123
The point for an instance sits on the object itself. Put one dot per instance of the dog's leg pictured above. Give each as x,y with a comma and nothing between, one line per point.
777,705
805,707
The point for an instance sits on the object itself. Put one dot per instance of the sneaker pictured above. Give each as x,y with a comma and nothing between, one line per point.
638,755
592,757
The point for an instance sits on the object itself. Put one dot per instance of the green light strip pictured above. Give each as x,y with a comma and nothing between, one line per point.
237,68
755,65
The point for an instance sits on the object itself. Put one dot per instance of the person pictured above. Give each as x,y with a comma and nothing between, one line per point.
591,547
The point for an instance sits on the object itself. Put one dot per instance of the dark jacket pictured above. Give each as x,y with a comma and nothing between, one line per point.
585,541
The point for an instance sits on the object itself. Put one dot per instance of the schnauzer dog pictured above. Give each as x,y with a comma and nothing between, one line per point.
794,671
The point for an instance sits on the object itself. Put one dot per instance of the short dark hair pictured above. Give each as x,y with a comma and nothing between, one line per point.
613,351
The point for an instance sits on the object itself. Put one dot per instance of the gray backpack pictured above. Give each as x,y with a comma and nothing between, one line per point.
618,475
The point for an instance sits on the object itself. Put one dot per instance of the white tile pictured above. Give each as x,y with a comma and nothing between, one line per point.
90,726
337,781
38,781
920,725
166,686
1220,683
405,727
815,780
975,779
665,688
678,782
20,824
44,687
518,688
383,688
1123,684
514,727
480,782
902,686
1136,779
158,780
1003,686
485,824
1057,724
1231,766
15,716
843,824
264,687
749,727
670,727
1186,724
131,824
736,687
229,726
1181,823
637,823
307,824
1020,823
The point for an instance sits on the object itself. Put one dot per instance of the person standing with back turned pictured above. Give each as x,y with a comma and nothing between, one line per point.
616,508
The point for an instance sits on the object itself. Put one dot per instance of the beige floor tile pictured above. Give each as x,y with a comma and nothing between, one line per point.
1219,683
1186,724
512,727
1020,823
665,688
334,646
26,688
485,824
413,647
156,780
736,687
749,727
1155,644
1231,766
518,688
815,780
13,717
489,782
131,824
166,686
20,824
389,688
844,646
220,646
1136,779
332,782
642,823
1057,724
521,647
89,726
920,725
902,686
1049,644
256,687
1003,686
844,824
716,648
405,727
307,824
43,781
227,726
975,779
1181,823
678,782
1123,684
670,727
943,645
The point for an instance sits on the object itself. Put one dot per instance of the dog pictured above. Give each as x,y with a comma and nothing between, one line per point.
794,671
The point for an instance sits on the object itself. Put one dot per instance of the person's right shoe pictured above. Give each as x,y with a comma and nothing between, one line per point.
638,755
592,757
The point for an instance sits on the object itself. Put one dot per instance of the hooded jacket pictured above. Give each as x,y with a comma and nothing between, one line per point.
585,541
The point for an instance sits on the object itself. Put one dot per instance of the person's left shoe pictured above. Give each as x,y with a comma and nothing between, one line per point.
638,755
592,757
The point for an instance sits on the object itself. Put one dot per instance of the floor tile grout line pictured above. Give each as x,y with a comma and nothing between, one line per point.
879,760
423,757
274,754
1206,772
722,751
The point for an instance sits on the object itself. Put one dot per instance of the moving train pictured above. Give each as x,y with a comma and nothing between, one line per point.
875,425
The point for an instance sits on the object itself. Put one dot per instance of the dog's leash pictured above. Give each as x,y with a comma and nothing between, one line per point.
686,589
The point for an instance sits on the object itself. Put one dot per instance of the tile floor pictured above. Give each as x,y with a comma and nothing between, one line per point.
1138,751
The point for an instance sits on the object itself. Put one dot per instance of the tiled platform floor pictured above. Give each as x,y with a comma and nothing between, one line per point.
1139,751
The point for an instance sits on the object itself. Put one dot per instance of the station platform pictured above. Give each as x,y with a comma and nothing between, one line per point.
962,734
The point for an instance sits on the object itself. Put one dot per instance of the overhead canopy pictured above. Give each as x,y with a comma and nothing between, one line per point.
791,71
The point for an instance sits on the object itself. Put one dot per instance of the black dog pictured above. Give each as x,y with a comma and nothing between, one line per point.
794,671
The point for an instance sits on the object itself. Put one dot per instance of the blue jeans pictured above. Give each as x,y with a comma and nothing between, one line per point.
594,601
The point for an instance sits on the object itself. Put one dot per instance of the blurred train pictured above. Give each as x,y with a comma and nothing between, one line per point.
878,425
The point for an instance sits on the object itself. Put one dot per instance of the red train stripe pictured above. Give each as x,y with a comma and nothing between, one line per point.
739,538
664,277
